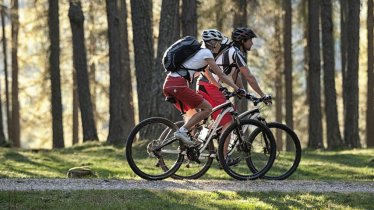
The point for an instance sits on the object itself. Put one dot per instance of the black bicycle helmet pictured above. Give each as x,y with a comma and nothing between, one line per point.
242,33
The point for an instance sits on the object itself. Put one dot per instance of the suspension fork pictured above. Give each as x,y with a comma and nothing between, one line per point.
267,144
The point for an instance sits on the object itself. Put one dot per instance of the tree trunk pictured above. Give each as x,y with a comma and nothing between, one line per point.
116,123
127,99
2,135
75,111
219,16
315,122
16,142
279,85
168,33
54,66
80,64
343,50
5,58
189,18
351,114
370,91
240,20
91,53
334,140
287,46
141,13
304,11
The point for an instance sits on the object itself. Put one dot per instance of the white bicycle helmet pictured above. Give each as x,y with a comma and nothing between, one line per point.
211,34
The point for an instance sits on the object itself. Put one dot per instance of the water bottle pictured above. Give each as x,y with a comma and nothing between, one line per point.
203,134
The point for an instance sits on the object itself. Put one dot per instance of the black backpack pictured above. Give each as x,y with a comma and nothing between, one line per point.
179,52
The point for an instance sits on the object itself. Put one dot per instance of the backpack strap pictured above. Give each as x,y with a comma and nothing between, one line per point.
223,50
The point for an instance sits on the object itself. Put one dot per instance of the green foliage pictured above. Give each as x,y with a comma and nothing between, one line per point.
149,199
109,162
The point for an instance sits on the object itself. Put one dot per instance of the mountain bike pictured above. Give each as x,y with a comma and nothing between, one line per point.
209,130
154,153
287,158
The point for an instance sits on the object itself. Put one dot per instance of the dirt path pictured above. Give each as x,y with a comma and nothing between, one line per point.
207,185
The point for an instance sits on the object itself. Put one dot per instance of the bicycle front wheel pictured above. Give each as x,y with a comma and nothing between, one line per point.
152,151
236,150
288,152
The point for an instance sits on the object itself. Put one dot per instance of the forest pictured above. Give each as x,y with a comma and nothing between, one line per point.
76,71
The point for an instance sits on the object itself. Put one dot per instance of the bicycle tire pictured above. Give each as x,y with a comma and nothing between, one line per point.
281,158
141,149
245,150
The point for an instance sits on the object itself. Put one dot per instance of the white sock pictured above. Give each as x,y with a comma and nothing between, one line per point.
183,129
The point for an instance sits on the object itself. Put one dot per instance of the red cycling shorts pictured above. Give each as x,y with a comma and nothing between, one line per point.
215,97
178,87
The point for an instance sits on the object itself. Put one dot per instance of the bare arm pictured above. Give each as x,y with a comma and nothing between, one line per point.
220,74
251,79
237,79
210,77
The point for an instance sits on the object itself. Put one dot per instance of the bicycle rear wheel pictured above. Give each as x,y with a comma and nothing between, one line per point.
145,152
288,152
261,151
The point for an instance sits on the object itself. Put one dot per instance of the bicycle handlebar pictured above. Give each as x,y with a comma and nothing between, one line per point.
249,96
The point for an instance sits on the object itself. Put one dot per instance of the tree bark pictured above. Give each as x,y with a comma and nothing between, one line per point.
370,85
343,51
141,13
80,64
5,59
351,114
334,139
240,20
127,93
279,85
16,131
75,132
91,53
189,18
315,122
116,123
54,69
219,16
287,46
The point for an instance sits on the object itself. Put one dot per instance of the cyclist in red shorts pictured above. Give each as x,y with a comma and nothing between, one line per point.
231,61
177,84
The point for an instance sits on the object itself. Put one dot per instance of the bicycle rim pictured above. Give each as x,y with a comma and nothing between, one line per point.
262,153
143,151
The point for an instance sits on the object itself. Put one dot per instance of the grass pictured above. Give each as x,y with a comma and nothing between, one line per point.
109,162
149,199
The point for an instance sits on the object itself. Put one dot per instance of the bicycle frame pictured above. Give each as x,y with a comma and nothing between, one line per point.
226,107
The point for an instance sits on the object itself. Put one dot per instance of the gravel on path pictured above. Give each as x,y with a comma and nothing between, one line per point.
11,184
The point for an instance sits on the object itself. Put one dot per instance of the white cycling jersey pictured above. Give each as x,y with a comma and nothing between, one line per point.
197,61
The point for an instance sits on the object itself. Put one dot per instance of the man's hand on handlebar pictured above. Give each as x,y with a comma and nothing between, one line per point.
267,99
240,93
